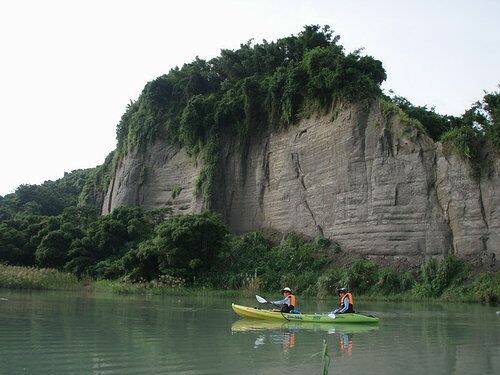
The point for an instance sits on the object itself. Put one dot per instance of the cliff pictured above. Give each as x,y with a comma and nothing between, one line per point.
361,177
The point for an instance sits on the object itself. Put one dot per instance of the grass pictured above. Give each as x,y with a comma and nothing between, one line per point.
484,288
153,288
13,277
325,358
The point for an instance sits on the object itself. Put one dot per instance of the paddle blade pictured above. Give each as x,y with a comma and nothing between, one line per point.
260,299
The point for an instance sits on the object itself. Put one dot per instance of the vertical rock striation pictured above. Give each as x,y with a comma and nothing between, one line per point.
376,186
149,178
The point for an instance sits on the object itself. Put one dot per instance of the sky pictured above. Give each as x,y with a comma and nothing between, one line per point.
69,68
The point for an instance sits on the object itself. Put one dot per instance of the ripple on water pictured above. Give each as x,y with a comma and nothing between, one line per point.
43,333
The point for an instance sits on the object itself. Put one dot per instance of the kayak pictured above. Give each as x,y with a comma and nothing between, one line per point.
250,312
249,325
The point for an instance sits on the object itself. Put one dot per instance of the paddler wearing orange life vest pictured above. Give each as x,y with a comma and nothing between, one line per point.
346,302
288,303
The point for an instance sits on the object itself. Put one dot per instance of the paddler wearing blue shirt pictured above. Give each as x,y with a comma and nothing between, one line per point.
289,302
346,302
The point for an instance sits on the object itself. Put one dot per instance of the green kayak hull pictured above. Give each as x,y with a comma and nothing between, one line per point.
250,312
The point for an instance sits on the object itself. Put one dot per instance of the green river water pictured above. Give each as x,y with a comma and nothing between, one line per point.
85,333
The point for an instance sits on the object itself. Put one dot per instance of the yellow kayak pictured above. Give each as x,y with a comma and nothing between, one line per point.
250,312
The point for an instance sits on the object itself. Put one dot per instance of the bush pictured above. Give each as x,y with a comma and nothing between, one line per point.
360,276
391,281
486,287
304,283
329,282
322,242
439,275
465,140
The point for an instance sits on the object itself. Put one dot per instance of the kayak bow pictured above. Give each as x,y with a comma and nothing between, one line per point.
250,312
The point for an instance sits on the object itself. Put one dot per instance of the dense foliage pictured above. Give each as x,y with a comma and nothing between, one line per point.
132,245
248,91
434,123
467,134
244,91
476,131
49,198
97,182
136,245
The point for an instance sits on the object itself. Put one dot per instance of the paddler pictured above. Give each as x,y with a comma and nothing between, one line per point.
289,303
346,302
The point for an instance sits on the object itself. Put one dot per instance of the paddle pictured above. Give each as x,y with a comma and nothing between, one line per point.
263,300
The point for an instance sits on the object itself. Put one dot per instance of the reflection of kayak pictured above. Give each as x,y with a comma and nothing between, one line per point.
249,312
246,325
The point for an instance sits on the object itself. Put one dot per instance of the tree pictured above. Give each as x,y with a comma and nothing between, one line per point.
52,251
187,246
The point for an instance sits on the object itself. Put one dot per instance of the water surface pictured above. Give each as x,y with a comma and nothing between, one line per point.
84,333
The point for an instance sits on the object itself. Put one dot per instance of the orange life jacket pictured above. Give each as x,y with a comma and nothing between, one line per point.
293,300
351,300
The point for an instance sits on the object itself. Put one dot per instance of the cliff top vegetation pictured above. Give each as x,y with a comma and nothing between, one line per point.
247,91
267,86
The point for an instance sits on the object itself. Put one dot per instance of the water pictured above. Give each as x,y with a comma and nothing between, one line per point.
84,333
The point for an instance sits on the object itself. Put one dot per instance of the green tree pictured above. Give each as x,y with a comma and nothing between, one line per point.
53,249
186,246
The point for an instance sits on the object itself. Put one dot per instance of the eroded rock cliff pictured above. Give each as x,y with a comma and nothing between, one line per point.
374,184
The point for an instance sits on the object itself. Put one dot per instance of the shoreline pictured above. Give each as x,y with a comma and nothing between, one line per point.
29,278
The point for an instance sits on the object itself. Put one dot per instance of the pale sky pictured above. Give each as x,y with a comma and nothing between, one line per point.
69,68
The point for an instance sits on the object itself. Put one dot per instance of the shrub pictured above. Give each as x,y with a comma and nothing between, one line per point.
360,276
486,287
304,283
391,281
465,140
439,275
329,282
176,190
322,242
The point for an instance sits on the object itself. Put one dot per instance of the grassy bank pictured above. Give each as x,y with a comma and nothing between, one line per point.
154,288
484,287
14,277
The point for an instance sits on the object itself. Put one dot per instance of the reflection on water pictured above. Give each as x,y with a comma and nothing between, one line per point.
245,325
78,333
286,334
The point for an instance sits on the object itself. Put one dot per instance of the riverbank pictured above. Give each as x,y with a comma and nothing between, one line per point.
483,288
17,277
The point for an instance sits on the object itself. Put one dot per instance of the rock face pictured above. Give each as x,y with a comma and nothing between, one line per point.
376,186
160,176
